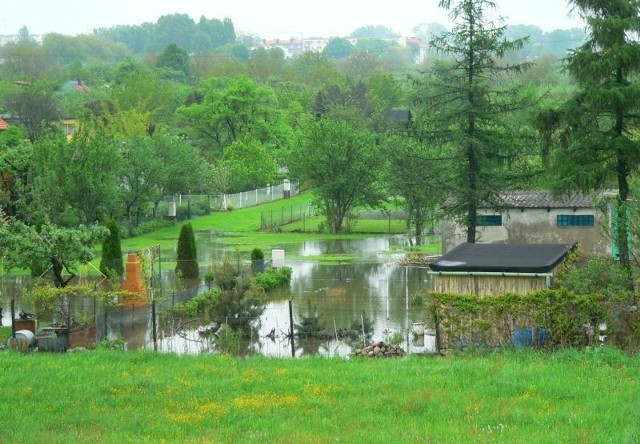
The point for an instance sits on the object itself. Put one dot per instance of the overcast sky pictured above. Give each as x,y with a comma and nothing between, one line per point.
267,18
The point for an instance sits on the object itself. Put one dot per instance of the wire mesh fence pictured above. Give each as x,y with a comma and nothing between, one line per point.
273,219
288,327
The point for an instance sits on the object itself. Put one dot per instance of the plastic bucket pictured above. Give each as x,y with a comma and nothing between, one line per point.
522,337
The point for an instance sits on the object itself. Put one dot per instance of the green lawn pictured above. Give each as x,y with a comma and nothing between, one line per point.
589,396
241,228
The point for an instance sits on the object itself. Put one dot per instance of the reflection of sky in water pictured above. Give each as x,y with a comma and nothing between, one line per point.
377,288
367,247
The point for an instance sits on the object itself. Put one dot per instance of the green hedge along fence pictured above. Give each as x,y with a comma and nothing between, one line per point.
548,318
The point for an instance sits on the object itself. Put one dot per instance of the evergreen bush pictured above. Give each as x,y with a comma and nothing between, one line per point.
111,263
257,254
187,257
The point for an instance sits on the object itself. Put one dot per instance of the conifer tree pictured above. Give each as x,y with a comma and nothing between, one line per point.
601,118
464,111
111,261
187,258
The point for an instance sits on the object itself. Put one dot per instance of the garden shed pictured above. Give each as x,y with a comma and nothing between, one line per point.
493,269
538,217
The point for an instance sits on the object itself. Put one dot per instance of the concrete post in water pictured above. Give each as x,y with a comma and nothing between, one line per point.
277,258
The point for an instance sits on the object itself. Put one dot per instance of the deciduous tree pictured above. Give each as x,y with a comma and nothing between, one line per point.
341,164
232,109
36,106
48,248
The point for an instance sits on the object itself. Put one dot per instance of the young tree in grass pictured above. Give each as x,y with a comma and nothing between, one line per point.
48,248
111,263
341,164
187,259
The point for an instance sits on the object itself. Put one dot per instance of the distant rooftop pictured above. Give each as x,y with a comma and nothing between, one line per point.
540,199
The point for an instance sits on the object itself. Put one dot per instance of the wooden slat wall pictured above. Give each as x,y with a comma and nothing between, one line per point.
487,285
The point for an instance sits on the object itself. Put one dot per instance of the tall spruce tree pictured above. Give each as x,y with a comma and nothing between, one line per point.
464,110
111,260
603,149
187,258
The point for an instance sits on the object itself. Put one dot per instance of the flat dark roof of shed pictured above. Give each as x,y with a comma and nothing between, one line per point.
505,258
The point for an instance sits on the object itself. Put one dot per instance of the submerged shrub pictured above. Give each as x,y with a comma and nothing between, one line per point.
274,278
228,340
257,254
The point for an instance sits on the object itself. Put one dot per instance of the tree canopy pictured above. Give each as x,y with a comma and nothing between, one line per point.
340,164
463,107
601,117
48,249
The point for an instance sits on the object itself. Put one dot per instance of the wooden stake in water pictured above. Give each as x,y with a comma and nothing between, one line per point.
13,318
293,346
364,336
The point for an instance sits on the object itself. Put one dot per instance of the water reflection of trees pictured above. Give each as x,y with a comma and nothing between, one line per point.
341,293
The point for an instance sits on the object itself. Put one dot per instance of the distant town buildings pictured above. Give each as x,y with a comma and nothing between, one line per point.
9,38
293,47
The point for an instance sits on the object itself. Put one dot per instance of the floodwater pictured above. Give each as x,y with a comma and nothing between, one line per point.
373,289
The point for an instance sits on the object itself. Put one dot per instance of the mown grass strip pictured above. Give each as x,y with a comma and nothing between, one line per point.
105,396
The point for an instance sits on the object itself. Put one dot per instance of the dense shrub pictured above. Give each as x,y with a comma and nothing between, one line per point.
194,208
257,254
257,261
196,306
237,302
274,278
597,275
143,228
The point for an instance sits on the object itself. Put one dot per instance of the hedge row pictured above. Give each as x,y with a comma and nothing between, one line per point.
547,318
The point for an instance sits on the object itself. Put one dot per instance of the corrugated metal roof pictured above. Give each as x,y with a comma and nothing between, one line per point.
544,199
539,199
3,125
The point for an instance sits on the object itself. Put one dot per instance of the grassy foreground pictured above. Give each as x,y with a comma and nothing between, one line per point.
589,396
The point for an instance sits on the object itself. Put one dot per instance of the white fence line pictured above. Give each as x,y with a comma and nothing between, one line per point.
251,198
